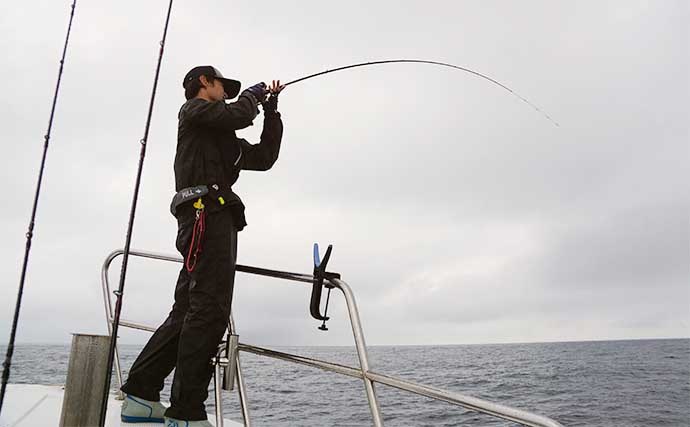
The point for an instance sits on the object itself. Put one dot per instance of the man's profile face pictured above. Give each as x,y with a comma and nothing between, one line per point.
214,89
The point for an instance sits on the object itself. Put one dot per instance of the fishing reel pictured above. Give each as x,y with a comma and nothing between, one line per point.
321,275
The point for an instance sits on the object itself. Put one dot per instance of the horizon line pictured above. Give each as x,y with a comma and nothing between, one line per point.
410,345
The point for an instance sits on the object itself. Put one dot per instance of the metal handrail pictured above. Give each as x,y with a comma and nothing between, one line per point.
241,389
363,372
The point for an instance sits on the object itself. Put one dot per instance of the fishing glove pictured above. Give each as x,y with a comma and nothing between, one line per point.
271,105
259,91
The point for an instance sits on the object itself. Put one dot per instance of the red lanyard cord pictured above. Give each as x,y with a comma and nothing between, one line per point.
197,238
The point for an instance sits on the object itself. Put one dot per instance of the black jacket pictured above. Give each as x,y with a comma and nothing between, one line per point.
208,150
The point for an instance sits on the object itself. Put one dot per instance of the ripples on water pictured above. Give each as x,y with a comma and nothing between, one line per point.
601,383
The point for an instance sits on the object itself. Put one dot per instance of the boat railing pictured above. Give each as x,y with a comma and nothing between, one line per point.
362,372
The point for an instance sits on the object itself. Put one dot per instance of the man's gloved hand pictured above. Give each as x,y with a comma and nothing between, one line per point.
271,104
259,91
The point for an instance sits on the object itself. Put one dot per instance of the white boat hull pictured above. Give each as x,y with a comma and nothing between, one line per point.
31,405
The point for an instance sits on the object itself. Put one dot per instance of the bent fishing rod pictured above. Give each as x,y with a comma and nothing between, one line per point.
422,61
30,232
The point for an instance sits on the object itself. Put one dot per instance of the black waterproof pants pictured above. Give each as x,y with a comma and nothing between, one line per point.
190,335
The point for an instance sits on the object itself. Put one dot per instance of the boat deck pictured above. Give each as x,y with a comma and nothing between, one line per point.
30,405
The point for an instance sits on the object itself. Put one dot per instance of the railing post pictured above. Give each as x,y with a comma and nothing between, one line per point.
241,386
109,316
361,350
217,385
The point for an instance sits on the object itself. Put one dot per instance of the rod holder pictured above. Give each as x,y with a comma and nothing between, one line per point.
86,378
230,368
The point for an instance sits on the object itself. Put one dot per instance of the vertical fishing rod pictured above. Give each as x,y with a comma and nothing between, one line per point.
30,233
125,256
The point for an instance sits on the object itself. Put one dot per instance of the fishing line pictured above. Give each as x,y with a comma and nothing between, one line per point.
125,256
30,233
421,61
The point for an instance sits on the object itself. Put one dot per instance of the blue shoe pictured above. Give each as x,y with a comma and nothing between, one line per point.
137,410
172,422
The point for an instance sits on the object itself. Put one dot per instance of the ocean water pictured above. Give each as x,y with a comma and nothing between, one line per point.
597,383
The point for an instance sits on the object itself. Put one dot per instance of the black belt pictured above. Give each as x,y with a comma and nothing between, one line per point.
187,195
217,197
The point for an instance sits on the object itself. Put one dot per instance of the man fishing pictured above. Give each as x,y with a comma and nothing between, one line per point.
209,214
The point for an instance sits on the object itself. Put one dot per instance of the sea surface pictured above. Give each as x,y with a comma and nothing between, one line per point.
594,383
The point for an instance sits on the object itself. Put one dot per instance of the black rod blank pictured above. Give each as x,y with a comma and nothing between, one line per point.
30,233
125,256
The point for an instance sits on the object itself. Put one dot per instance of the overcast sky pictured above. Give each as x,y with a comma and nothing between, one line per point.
458,214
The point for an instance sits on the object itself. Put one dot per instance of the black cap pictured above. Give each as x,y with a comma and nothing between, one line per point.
232,87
